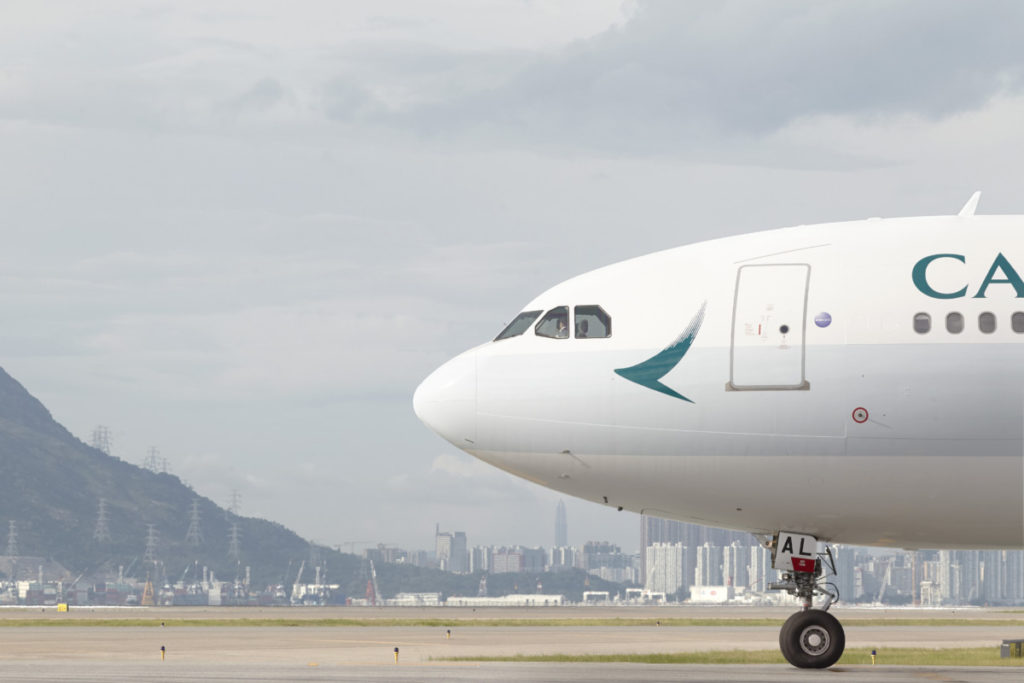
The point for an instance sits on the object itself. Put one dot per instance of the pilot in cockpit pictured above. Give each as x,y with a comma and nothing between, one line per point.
563,329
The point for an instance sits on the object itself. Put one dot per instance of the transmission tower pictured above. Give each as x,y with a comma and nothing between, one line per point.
194,535
234,542
149,462
154,462
235,502
151,542
102,532
101,439
12,539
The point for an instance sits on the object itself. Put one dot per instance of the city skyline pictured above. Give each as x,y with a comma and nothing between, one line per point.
681,561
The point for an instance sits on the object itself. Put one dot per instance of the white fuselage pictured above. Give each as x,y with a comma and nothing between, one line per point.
800,391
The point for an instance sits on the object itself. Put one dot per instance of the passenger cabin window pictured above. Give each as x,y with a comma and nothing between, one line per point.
922,323
987,322
1017,322
519,325
955,323
592,323
554,324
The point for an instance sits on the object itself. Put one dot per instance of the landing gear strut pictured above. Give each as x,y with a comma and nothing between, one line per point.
811,638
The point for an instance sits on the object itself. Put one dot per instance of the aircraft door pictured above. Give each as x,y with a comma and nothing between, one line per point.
768,328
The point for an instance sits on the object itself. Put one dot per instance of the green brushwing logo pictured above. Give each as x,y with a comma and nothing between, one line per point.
649,373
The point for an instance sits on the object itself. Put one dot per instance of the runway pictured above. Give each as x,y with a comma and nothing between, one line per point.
312,652
48,670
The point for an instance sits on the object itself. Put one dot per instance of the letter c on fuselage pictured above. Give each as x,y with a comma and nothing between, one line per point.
920,275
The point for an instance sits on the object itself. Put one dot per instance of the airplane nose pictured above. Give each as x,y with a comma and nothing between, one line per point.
446,400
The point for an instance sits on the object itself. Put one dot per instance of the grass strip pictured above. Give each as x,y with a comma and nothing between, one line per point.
59,621
980,656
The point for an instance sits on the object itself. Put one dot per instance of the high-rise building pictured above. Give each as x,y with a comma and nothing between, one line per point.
458,562
506,560
480,559
759,571
735,559
665,563
845,579
708,570
451,551
564,557
993,583
970,576
442,548
534,560
609,562
1014,576
561,526
948,583
658,530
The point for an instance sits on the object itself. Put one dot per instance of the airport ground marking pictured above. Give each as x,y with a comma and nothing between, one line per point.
240,622
897,656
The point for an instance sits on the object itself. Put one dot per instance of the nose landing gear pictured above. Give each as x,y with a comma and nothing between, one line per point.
812,638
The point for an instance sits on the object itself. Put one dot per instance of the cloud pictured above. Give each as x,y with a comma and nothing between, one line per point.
465,482
679,78
461,467
262,96
245,234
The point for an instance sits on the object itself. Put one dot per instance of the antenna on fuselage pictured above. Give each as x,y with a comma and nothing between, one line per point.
971,206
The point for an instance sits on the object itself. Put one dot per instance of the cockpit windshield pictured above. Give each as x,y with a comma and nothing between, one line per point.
521,324
554,324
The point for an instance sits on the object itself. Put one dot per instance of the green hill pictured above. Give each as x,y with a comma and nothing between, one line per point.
51,484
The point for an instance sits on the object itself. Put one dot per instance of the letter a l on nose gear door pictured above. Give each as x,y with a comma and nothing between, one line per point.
769,328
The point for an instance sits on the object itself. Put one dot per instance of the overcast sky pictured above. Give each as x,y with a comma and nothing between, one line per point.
242,232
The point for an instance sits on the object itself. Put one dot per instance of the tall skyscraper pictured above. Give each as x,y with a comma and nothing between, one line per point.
845,579
708,569
735,565
970,575
665,568
458,561
451,551
561,526
994,579
442,549
1014,576
658,530
759,571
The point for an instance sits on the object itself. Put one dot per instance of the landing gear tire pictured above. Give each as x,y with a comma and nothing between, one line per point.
812,639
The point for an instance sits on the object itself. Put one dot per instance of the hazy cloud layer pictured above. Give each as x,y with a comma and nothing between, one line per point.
679,77
243,233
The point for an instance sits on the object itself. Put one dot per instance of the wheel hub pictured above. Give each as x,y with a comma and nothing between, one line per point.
814,640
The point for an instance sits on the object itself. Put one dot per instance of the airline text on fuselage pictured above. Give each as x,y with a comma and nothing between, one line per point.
1000,266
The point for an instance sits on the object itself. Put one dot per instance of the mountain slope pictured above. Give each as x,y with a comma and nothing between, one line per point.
51,484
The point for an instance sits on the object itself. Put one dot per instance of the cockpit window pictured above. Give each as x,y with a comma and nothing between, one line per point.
592,323
519,325
555,323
